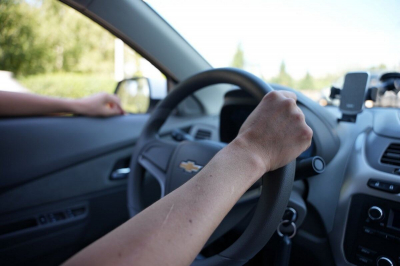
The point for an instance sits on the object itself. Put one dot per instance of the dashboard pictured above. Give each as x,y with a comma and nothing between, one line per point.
357,197
366,229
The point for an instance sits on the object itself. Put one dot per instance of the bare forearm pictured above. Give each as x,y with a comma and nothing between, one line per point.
173,230
24,104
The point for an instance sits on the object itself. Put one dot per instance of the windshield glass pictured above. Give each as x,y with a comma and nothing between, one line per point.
307,45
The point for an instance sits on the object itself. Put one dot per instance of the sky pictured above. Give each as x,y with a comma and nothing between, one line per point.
319,37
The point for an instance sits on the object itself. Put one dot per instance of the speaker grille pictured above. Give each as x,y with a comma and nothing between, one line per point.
392,155
203,134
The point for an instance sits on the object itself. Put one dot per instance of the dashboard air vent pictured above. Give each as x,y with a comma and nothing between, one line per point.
392,155
203,134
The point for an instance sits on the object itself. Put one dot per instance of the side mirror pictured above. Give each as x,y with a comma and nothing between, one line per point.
140,94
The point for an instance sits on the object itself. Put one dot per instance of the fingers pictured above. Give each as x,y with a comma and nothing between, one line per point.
289,94
293,96
298,118
112,110
100,104
276,95
112,98
296,114
113,105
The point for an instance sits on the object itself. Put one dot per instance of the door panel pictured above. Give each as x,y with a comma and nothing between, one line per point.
56,194
83,178
54,242
33,147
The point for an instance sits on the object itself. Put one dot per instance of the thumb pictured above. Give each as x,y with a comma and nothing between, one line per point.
113,109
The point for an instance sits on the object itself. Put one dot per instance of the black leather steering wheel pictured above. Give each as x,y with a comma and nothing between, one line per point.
164,160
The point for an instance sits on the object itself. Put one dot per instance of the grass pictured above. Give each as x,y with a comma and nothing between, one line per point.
69,85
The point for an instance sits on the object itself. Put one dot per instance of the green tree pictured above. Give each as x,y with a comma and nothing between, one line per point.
77,44
379,67
45,36
20,50
283,77
306,83
238,58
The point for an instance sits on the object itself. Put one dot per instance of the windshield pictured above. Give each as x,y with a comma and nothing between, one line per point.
307,45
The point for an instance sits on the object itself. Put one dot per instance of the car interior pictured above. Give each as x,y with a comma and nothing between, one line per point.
67,181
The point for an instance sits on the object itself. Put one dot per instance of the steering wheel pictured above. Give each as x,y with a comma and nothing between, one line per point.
168,162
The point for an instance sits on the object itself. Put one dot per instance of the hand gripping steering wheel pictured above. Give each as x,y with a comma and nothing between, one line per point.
163,160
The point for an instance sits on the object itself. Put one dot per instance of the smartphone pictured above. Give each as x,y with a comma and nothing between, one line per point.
352,96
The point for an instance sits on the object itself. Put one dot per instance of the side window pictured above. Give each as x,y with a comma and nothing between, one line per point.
50,49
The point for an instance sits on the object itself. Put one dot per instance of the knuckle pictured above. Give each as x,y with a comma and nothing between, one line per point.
307,133
289,102
298,116
273,95
292,95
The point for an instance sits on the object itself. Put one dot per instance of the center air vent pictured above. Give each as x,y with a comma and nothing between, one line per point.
392,155
203,134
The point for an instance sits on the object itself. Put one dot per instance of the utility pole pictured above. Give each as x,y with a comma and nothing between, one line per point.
118,59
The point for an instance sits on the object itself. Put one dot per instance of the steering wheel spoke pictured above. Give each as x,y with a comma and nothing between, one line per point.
155,158
155,171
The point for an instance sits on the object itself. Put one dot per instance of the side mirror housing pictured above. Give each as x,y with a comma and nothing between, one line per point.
140,94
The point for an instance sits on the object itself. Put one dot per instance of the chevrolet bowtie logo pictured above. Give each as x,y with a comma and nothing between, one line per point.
190,167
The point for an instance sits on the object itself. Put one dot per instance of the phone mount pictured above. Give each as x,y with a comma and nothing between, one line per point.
352,96
348,118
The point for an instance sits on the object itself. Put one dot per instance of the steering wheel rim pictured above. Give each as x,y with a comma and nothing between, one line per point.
276,185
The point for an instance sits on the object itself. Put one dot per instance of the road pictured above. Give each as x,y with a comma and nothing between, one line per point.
9,83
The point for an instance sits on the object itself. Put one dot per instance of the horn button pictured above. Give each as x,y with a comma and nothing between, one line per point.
187,160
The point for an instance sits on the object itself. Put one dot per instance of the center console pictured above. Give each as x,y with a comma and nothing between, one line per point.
373,232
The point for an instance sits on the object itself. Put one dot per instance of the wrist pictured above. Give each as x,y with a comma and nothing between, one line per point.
250,155
75,106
